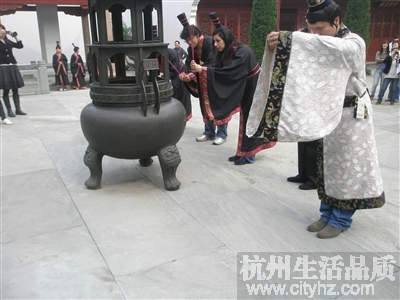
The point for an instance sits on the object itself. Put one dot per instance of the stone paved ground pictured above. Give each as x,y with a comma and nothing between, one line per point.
132,239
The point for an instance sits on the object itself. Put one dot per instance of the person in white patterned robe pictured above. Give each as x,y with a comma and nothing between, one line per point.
313,86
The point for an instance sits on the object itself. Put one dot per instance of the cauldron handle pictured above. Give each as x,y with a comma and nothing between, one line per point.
149,64
156,88
143,88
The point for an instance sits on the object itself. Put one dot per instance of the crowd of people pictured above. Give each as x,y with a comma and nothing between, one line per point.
387,72
283,100
226,78
60,66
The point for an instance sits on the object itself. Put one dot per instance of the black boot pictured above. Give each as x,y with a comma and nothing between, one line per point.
18,109
8,106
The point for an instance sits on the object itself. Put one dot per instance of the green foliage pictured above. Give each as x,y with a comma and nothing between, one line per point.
264,19
358,18
127,32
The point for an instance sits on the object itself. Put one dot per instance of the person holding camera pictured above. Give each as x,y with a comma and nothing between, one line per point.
10,76
391,77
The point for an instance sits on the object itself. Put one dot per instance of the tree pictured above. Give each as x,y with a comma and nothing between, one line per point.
358,18
264,20
127,32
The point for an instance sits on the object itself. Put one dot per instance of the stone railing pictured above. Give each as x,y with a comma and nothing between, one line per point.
35,78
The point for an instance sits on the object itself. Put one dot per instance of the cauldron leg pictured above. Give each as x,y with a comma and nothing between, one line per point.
92,160
145,162
169,160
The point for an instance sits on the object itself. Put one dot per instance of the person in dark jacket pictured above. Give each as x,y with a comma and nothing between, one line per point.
10,76
180,51
391,77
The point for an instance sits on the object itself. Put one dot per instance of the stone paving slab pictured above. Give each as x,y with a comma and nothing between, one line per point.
64,264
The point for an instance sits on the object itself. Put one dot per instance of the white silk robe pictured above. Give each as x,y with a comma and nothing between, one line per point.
314,87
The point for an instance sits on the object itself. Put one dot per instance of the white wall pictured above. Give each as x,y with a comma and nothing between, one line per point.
172,26
25,23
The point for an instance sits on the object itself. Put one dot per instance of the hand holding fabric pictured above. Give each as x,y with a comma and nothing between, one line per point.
272,41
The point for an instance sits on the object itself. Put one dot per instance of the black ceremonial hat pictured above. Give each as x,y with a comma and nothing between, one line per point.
182,18
76,48
214,17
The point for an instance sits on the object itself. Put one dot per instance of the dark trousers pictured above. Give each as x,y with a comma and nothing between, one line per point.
2,113
307,160
7,99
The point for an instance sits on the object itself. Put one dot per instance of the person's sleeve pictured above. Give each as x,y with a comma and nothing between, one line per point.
184,54
378,58
302,86
18,45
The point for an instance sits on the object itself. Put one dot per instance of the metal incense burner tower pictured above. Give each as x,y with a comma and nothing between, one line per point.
132,114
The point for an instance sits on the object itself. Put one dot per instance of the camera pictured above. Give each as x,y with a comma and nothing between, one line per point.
14,34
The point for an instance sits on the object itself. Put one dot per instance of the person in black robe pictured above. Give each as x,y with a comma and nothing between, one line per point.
176,66
200,50
78,70
60,66
228,85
